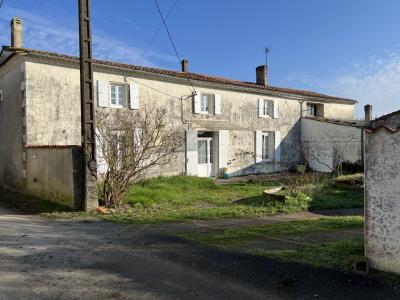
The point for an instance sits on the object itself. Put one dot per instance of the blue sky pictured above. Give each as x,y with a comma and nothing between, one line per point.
347,48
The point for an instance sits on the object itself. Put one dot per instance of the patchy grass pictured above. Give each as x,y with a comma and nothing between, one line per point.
338,255
181,198
338,197
350,180
29,204
240,234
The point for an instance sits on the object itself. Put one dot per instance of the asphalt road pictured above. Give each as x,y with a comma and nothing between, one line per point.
45,259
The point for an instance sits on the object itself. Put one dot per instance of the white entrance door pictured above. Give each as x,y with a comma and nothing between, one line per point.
205,167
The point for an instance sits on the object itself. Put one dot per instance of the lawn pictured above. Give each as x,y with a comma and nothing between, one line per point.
337,254
180,198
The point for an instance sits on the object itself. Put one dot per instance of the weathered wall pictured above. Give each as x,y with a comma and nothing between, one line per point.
54,114
339,112
11,116
55,174
343,140
382,200
392,121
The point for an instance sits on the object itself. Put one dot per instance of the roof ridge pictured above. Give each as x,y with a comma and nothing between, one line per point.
190,75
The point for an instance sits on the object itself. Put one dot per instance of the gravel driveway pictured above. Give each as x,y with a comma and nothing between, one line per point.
45,259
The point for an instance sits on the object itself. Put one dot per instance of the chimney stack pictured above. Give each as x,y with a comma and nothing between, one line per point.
262,75
185,65
16,33
368,114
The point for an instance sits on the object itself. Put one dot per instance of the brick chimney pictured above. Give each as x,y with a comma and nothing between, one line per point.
185,65
16,33
262,75
367,114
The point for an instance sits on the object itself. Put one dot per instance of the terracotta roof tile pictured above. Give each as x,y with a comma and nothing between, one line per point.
192,76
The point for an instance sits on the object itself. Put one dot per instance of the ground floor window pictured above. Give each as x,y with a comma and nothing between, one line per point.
265,145
205,151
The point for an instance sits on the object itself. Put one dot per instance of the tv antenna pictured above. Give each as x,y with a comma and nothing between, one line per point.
267,49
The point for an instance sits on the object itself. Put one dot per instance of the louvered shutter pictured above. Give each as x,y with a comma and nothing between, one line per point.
275,112
277,146
217,104
258,146
191,152
103,99
223,146
197,103
260,108
134,96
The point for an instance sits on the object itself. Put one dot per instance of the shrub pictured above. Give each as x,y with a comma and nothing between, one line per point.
350,180
351,168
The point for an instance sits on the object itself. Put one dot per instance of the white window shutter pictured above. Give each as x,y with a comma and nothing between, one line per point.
258,146
275,106
103,98
260,108
217,104
223,146
197,103
277,146
134,96
191,152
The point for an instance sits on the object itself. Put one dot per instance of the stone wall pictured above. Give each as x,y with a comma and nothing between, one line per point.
53,112
11,126
382,199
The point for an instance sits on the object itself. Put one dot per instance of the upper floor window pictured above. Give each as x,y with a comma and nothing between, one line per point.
205,103
315,109
268,105
118,95
267,108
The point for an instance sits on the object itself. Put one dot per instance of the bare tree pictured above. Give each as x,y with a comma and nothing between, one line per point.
129,145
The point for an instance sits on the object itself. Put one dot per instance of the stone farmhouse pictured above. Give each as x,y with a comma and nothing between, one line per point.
222,122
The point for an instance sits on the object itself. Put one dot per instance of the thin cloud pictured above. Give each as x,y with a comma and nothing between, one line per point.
44,34
376,82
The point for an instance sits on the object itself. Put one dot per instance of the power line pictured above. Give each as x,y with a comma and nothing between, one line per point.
156,33
172,42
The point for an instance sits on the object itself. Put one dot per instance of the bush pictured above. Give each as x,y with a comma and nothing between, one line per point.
350,180
351,168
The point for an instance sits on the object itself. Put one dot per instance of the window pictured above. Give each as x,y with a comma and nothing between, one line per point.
266,108
266,145
267,105
205,103
118,95
311,109
315,109
205,149
1,96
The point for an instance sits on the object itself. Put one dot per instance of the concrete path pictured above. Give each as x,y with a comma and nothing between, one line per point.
44,259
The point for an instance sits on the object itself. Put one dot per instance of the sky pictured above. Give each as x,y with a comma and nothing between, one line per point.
348,48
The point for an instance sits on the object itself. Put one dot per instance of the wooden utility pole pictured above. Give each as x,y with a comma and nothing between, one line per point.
89,165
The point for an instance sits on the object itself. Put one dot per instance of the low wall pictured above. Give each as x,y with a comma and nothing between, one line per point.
382,200
324,143
55,173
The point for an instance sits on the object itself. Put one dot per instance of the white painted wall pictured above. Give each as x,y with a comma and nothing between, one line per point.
326,142
382,200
